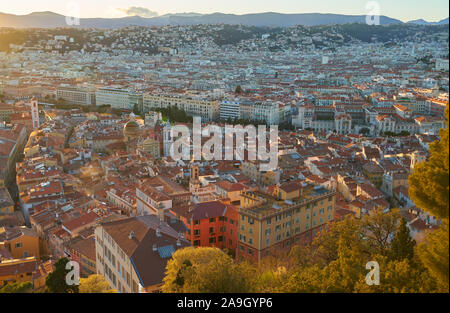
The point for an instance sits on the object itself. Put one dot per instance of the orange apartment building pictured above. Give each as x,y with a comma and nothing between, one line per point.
292,214
21,242
210,224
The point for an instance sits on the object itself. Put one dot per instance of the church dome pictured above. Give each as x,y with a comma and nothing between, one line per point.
132,129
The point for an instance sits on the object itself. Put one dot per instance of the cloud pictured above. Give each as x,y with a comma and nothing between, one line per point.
139,11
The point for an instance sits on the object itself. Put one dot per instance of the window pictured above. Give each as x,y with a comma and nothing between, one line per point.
297,221
278,218
220,238
250,230
18,245
267,241
196,242
269,221
230,242
197,222
211,230
250,251
329,208
196,232
278,237
212,240
212,219
267,232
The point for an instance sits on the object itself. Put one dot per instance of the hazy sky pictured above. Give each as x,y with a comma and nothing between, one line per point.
405,10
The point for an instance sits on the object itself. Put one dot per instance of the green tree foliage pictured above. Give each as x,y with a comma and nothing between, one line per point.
364,131
398,276
378,228
174,114
56,281
429,189
402,246
435,256
204,270
339,255
136,109
429,181
95,284
25,287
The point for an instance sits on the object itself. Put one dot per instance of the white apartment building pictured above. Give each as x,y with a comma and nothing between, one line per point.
270,113
76,95
116,98
205,107
229,110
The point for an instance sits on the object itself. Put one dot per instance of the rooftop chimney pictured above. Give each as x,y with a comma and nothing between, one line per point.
131,235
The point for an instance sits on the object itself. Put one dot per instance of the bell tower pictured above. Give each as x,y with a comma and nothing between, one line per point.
35,113
194,182
167,139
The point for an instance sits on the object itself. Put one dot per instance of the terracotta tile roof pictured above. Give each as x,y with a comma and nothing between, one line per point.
150,265
86,219
17,267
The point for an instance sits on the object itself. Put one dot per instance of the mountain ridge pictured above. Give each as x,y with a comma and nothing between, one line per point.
423,22
48,19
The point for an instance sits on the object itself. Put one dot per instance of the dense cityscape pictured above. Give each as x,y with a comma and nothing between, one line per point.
87,173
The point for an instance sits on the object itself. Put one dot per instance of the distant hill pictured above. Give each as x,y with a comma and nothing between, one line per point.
423,22
51,20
